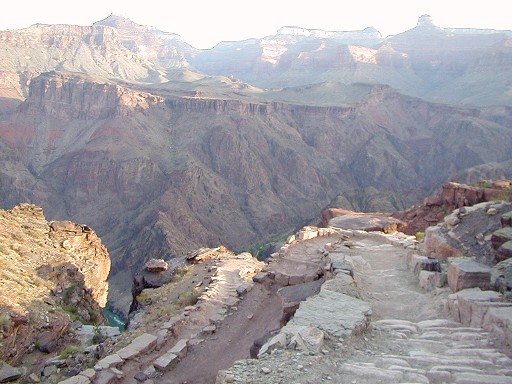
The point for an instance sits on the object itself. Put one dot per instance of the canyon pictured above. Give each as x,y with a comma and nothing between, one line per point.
369,174
164,148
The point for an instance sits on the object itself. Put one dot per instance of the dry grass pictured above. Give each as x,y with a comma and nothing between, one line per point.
168,300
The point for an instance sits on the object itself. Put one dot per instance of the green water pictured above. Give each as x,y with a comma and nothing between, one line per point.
114,320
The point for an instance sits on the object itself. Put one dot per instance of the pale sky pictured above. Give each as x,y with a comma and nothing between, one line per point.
204,23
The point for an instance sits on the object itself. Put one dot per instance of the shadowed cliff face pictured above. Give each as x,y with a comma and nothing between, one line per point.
158,176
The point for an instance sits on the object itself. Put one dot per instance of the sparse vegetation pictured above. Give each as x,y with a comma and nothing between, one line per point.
98,336
70,350
181,271
144,298
189,298
420,235
262,250
502,197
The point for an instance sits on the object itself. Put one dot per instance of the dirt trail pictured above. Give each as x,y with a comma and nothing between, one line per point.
385,282
258,313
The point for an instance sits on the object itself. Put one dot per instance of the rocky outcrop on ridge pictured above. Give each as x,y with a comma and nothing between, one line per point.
451,196
476,231
53,273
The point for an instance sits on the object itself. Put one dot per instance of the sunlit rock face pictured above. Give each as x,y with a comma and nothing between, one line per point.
53,272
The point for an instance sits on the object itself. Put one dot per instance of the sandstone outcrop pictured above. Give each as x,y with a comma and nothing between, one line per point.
52,274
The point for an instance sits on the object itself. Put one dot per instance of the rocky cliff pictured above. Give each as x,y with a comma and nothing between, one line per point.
53,272
96,50
462,66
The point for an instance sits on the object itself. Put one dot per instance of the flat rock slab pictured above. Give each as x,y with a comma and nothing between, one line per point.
78,379
335,313
166,362
113,360
342,283
9,373
367,222
180,348
140,344
471,378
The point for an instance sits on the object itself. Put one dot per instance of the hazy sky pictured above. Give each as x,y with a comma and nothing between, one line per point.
203,23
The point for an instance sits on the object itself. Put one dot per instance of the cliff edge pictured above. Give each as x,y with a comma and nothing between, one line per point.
52,273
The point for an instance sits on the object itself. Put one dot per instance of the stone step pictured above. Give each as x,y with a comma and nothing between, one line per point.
424,359
471,378
456,336
372,372
487,353
166,362
434,323
453,330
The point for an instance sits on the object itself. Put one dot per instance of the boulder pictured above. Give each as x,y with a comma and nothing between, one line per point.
9,373
427,280
467,273
299,292
498,321
501,276
342,283
506,219
469,306
504,251
65,226
309,339
436,244
419,263
156,265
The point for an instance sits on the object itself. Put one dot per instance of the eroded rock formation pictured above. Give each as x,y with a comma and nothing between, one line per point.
52,273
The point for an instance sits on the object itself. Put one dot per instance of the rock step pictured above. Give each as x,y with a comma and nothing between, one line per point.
469,378
448,373
440,351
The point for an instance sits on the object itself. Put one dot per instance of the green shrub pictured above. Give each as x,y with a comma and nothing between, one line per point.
420,235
